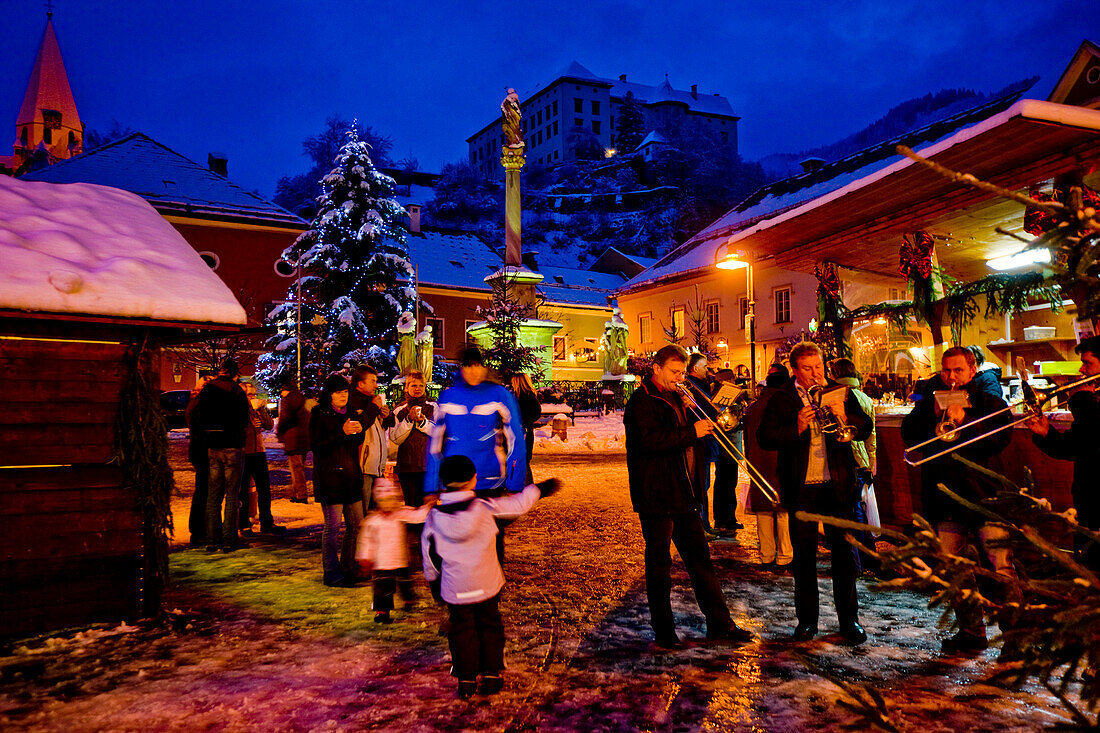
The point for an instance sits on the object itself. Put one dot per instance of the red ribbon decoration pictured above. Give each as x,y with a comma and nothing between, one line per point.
1038,222
827,279
916,256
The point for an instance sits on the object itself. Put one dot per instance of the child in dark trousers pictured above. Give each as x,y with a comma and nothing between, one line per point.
460,559
383,547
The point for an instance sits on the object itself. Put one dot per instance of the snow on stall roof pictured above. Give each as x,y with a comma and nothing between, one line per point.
81,248
792,196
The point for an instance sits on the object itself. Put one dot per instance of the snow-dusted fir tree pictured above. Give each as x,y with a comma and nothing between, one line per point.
356,278
631,130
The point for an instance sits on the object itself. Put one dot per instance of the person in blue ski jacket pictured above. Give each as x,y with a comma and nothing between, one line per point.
481,420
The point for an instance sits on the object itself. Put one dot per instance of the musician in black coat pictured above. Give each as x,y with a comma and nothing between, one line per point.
956,525
817,474
663,458
1080,444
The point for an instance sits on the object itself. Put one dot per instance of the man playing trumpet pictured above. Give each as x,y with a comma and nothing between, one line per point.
664,458
817,474
955,524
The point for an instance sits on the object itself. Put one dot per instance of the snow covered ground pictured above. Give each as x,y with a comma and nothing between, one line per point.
253,642
587,434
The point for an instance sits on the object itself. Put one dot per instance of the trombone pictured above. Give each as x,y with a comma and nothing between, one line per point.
724,440
1033,402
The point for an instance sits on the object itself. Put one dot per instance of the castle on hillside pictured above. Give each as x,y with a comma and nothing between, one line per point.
577,99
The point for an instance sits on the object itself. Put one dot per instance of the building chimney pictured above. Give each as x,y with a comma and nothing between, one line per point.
529,260
218,163
694,91
811,164
414,217
622,77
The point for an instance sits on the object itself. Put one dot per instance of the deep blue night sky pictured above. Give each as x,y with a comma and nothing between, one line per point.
253,79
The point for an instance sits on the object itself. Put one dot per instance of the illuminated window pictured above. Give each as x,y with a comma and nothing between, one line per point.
437,331
782,298
559,348
645,330
678,322
712,317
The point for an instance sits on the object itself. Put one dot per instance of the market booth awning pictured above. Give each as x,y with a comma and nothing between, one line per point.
861,225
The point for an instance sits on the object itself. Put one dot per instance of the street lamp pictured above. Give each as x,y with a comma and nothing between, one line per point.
734,260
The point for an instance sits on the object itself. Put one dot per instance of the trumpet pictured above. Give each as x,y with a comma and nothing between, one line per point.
826,419
1033,402
724,440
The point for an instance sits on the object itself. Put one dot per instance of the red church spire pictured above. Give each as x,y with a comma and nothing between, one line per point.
48,119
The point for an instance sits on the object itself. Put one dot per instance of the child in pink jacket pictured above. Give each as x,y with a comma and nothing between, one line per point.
384,547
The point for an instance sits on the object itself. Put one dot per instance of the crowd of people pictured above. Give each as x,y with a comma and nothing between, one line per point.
463,474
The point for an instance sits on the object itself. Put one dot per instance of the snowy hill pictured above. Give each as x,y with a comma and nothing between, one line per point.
908,115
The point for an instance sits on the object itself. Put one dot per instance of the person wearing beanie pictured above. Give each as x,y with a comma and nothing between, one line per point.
337,479
461,565
383,547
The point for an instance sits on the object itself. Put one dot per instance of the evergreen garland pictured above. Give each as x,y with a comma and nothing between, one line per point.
141,452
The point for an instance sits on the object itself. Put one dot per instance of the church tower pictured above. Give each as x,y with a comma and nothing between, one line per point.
48,127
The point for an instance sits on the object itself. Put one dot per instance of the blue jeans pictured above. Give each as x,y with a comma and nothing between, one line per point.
225,483
338,554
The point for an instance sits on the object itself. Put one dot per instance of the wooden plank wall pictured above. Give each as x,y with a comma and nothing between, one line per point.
71,539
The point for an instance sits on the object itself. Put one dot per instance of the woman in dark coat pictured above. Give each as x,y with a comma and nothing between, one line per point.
530,410
337,479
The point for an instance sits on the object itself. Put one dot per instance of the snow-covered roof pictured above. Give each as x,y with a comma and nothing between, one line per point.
169,181
84,249
710,104
779,197
459,260
653,138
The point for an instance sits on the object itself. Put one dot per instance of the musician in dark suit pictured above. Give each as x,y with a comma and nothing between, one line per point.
817,474
663,455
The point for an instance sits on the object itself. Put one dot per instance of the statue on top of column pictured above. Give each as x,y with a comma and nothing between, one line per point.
511,114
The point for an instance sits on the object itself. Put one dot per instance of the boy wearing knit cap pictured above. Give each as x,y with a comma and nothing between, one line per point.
460,558
384,547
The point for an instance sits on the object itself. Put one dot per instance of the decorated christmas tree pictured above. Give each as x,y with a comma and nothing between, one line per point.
355,277
505,317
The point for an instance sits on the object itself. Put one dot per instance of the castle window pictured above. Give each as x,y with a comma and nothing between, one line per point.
578,105
595,107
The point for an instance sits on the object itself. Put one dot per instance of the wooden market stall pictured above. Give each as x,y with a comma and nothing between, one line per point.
860,229
92,280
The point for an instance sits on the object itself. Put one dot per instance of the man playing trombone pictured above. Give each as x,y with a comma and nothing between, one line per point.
930,424
1080,444
664,447
817,473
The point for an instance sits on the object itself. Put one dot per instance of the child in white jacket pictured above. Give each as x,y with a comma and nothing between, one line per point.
383,547
459,548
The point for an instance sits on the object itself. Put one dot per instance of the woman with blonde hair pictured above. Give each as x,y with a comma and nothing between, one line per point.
530,410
